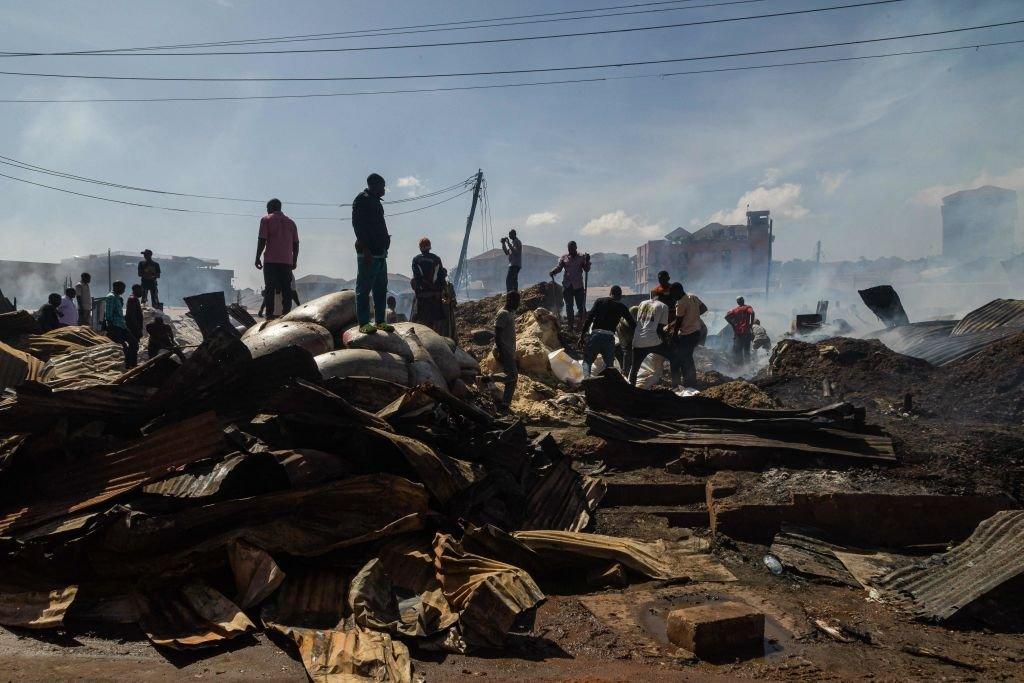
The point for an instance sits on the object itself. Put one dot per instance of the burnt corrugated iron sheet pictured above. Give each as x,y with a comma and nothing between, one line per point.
65,488
931,341
944,584
102,362
17,366
994,314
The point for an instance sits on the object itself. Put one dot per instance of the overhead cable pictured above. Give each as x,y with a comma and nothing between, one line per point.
506,72
8,161
155,51
499,86
516,39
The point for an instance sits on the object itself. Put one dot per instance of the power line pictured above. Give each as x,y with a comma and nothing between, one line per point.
337,33
498,86
154,51
486,41
507,72
428,206
153,206
210,213
8,161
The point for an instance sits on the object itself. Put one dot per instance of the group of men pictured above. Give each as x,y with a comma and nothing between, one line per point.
122,321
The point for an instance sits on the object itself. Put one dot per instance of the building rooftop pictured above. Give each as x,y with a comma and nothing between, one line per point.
527,250
985,191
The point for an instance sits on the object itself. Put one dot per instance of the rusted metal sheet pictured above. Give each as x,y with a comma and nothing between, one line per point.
786,435
611,393
488,595
656,560
311,597
563,499
445,477
62,340
99,364
35,609
939,587
192,616
100,402
931,341
17,323
237,475
350,653
996,313
17,367
256,574
65,488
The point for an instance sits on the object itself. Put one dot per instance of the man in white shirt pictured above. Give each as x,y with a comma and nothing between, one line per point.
651,318
67,312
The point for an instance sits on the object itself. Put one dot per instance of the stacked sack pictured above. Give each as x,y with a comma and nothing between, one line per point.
327,328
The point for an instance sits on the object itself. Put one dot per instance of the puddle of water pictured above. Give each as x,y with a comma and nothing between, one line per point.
652,617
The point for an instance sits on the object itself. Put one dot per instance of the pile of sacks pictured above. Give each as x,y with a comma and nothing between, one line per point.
327,328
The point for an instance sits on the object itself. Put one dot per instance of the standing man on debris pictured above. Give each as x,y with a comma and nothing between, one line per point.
687,331
513,248
505,345
277,255
372,244
149,273
428,285
649,337
741,319
116,328
67,312
133,312
604,317
84,295
573,290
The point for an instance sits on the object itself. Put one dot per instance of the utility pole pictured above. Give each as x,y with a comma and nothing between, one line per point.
110,277
459,269
817,253
768,271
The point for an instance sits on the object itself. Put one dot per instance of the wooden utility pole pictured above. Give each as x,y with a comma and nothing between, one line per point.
460,268
768,271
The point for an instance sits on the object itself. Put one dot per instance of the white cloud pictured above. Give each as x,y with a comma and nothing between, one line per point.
782,200
617,224
771,176
832,180
411,183
932,196
542,218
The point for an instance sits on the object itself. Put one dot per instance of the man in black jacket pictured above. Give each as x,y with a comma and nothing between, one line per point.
428,285
372,244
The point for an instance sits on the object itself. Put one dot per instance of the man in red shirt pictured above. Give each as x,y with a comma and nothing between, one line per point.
277,255
741,319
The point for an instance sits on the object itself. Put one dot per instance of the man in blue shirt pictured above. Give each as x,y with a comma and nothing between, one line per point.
115,326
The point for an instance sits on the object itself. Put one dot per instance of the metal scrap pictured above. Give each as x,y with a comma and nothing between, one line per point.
35,609
944,584
194,615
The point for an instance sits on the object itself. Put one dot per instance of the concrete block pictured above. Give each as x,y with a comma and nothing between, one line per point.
716,629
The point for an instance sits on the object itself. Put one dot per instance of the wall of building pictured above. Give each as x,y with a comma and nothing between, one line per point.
979,223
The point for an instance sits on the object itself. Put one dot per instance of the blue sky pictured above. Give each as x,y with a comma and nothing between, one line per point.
856,154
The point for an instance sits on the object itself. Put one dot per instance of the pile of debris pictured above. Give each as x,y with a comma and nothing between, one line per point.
242,488
475,319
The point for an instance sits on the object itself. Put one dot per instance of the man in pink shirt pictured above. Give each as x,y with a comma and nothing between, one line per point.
278,245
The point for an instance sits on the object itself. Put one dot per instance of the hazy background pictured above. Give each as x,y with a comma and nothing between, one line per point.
855,154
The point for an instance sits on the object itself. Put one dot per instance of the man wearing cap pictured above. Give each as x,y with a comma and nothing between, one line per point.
372,244
149,273
427,283
277,254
